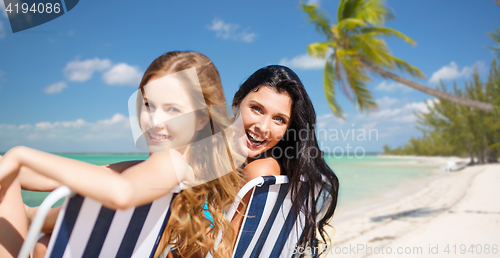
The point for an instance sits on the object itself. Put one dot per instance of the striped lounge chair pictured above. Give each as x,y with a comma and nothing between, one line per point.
84,228
270,227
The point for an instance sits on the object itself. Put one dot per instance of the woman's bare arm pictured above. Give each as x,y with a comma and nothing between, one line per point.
50,220
32,181
137,185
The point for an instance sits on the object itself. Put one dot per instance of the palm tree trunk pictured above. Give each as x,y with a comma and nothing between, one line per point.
442,95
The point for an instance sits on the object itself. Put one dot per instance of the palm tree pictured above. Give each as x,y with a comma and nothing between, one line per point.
495,36
354,45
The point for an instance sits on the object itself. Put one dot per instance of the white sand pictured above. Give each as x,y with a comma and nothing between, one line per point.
459,210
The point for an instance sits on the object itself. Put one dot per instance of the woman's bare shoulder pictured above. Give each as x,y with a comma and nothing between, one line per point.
170,161
120,166
262,167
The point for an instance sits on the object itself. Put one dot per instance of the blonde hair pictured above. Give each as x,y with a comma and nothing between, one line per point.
188,229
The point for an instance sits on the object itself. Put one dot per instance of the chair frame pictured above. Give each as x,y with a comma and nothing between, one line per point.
290,224
64,191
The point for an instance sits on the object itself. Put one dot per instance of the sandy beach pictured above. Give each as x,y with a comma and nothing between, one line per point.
455,214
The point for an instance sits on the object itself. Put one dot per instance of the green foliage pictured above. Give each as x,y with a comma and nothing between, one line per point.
350,44
451,129
495,36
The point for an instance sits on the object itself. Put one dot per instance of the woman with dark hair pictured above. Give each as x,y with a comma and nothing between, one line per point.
279,120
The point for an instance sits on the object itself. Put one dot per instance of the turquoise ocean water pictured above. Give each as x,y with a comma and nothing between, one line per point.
360,179
373,176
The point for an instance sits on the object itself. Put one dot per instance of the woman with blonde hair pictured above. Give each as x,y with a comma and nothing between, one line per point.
179,124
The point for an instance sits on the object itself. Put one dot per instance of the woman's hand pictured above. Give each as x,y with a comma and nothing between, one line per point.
9,168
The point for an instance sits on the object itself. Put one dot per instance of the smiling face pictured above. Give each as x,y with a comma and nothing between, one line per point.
166,116
266,117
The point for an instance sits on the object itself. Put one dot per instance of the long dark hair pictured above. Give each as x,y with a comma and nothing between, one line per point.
305,166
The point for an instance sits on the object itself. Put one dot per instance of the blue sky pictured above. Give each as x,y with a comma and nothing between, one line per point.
64,85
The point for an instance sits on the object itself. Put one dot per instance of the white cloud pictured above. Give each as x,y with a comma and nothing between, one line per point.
116,120
417,106
390,86
114,130
231,31
316,2
386,101
369,125
384,113
406,113
406,119
393,113
452,72
304,62
50,126
100,125
123,74
394,125
25,126
82,71
112,134
449,72
327,120
421,106
56,88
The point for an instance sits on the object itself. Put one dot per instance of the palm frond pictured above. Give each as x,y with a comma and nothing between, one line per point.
374,12
329,88
496,49
374,30
355,75
348,9
319,19
406,67
319,49
495,36
350,23
373,49
363,95
337,57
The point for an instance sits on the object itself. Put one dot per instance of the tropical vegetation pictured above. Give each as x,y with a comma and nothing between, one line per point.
451,129
354,46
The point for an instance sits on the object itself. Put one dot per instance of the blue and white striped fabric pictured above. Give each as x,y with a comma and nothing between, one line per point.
85,228
271,226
